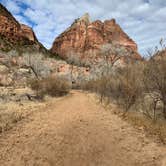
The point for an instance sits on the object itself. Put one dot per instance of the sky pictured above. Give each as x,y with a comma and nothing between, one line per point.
143,20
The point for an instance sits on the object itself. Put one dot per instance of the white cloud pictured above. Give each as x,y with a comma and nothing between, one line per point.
21,19
143,20
12,6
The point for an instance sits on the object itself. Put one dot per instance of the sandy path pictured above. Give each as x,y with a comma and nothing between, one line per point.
75,131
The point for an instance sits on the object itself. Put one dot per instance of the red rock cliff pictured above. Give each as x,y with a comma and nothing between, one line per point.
13,33
28,33
85,37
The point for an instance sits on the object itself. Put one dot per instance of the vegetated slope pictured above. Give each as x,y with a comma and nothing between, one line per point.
14,35
23,57
76,131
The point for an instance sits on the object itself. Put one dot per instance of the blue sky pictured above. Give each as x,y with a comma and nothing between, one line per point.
143,20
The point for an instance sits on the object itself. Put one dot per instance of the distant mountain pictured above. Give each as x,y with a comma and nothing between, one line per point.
14,35
85,38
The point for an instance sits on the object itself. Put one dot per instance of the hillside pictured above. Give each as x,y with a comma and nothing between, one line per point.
16,36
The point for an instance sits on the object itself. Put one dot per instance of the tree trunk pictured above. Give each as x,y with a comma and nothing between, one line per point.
154,110
34,72
71,73
164,109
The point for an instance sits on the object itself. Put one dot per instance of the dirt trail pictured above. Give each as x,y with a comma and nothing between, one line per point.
75,131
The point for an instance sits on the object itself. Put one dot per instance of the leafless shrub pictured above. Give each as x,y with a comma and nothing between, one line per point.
148,105
124,85
73,59
111,54
36,63
155,78
53,86
141,85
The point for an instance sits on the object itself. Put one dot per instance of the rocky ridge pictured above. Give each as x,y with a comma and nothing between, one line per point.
14,35
85,38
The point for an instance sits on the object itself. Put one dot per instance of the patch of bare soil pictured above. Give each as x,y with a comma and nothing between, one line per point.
76,131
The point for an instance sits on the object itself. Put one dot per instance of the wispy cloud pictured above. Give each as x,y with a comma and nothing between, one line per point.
143,20
14,8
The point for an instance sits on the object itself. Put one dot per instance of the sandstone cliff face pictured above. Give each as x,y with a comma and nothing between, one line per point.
28,33
86,38
13,34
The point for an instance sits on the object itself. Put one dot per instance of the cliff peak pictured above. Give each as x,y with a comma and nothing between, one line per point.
85,38
85,17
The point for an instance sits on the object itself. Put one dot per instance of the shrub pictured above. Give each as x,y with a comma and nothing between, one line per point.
53,86
124,85
73,59
37,64
155,80
141,84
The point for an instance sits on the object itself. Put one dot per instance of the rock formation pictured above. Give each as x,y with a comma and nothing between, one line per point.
15,70
28,33
15,35
85,38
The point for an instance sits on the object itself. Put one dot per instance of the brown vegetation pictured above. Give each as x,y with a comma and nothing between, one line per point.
53,86
13,112
139,87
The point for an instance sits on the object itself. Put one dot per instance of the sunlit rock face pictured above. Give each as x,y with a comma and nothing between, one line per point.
85,38
28,33
13,34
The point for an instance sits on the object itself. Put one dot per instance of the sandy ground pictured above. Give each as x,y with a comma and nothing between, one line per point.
75,131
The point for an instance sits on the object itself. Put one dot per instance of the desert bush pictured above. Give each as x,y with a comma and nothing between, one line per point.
149,105
36,63
73,59
130,85
90,85
112,53
140,85
155,80
53,86
124,85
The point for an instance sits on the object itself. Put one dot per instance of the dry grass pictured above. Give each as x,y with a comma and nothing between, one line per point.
8,118
153,129
11,113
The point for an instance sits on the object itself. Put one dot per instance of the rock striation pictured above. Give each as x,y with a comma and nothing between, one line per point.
85,38
13,34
